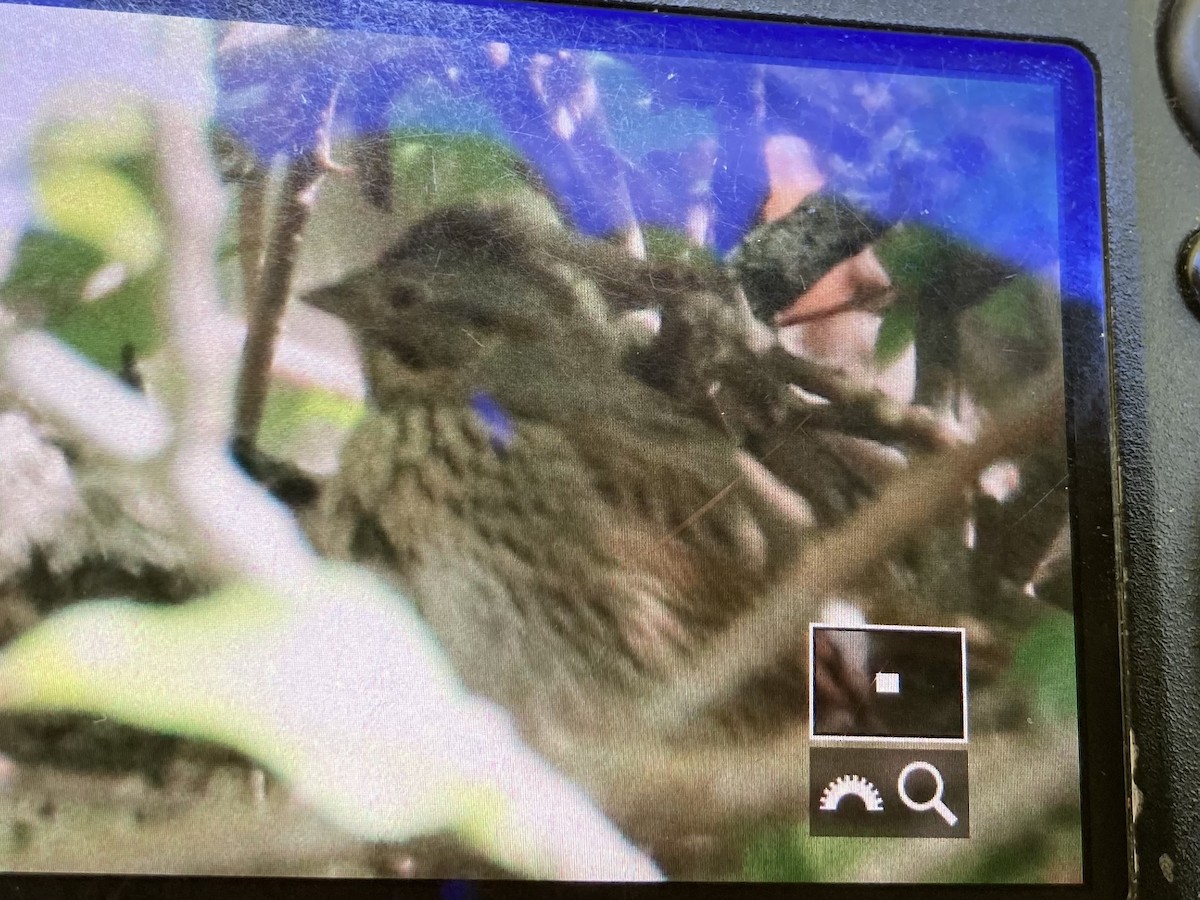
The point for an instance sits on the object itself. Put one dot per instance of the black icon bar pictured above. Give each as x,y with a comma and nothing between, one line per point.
889,792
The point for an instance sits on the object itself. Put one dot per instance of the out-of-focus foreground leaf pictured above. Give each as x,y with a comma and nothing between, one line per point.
92,178
341,691
90,272
54,279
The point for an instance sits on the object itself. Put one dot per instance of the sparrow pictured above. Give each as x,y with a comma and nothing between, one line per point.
570,533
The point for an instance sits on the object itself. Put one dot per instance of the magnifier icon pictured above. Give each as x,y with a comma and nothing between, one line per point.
939,789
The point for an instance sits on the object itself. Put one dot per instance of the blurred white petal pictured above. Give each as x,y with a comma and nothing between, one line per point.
116,418
37,493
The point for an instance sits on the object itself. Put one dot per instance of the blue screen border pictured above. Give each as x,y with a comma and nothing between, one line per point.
1067,68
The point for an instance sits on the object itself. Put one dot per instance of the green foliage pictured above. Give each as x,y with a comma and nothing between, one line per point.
670,245
896,331
48,279
787,854
1019,861
406,753
911,256
1011,311
1049,852
123,132
101,207
918,258
93,180
1045,664
102,328
290,410
438,170
49,272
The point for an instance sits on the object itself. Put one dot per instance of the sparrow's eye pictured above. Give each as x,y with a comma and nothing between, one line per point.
405,294
410,356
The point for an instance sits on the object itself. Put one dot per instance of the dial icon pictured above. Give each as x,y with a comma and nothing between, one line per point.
851,786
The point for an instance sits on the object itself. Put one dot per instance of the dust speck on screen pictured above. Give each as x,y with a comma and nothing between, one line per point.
546,443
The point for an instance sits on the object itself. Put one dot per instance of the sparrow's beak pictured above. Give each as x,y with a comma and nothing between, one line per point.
340,299
856,283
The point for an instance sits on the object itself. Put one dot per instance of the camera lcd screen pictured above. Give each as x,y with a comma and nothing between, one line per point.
557,442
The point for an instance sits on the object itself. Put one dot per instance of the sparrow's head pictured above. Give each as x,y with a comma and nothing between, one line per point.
467,295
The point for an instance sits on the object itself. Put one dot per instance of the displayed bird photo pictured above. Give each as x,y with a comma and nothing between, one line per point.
529,442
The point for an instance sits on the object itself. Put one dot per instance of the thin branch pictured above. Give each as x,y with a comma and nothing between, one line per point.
862,409
295,206
914,501
235,527
252,214
274,285
880,419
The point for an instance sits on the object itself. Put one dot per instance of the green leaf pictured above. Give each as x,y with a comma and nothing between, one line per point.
671,245
1045,662
99,205
1012,311
290,410
437,170
47,282
911,256
100,329
896,332
335,684
124,131
787,854
48,273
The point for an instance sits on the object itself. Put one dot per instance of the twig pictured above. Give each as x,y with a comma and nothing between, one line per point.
295,206
235,528
252,209
913,501
880,419
862,409
299,193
